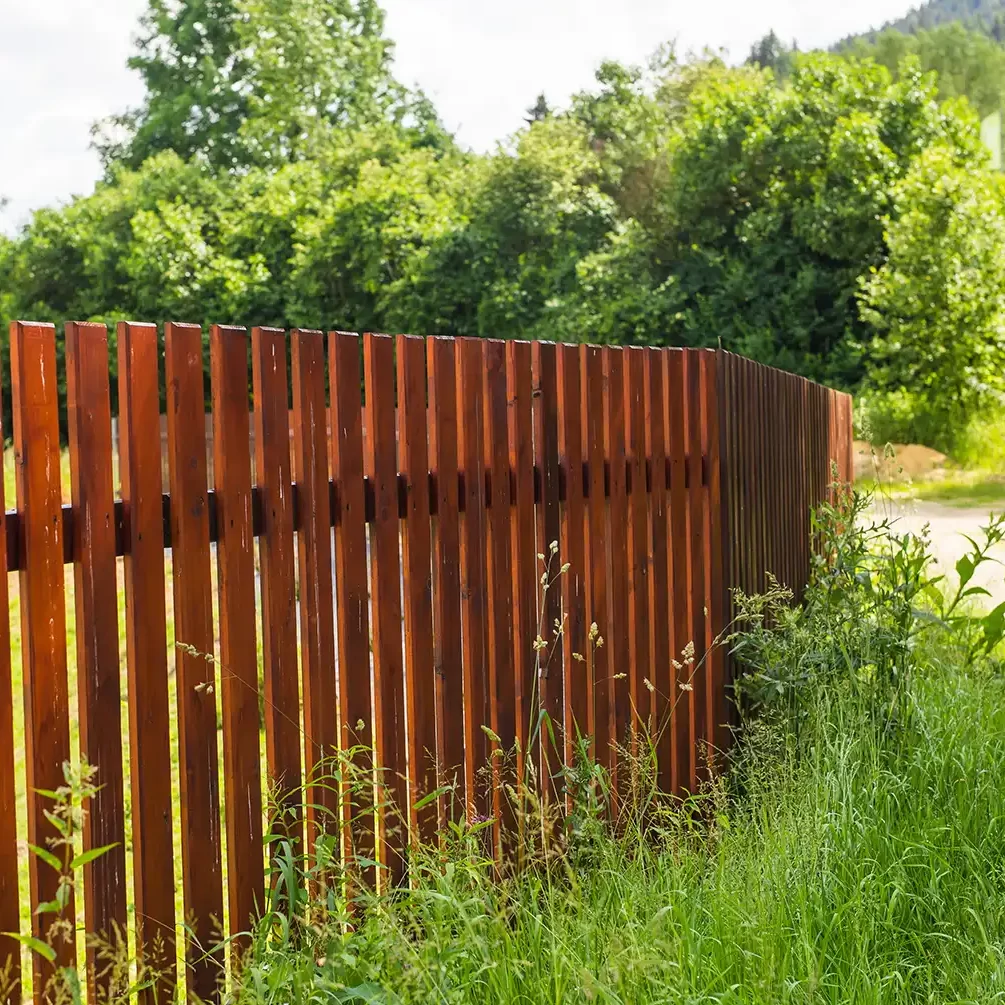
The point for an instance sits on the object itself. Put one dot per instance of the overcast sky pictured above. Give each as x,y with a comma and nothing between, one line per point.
62,64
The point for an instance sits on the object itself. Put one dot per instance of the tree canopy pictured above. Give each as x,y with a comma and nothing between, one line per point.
278,173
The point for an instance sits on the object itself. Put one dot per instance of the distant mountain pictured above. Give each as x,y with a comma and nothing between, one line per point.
987,16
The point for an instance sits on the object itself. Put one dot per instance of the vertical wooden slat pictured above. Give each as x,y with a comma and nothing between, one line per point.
680,574
498,571
43,616
146,657
659,597
420,682
10,921
596,555
352,592
716,590
640,671
696,530
273,479
238,643
526,568
97,629
470,407
576,688
314,553
193,612
447,661
545,380
617,554
385,585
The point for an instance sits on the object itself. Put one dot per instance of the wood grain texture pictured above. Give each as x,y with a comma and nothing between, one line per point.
718,712
416,556
441,362
680,575
43,616
474,629
97,629
617,637
314,553
659,578
235,557
501,684
577,712
696,437
276,555
640,675
352,595
599,666
201,843
385,585
146,656
524,563
546,460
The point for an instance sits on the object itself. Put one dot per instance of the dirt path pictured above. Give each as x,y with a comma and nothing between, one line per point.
947,525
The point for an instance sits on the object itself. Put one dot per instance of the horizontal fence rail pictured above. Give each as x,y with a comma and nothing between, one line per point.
346,551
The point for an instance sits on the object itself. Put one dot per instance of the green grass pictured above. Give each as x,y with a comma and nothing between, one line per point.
986,491
863,871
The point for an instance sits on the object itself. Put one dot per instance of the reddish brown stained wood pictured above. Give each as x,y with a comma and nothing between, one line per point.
385,585
681,769
659,596
552,700
616,636
638,539
697,532
599,666
43,617
238,646
470,445
193,611
526,568
416,553
273,479
10,919
352,591
447,658
146,656
718,712
90,428
572,551
498,571
314,553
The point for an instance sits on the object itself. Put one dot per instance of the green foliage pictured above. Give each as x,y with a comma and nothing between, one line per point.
277,173
968,62
937,303
241,82
984,15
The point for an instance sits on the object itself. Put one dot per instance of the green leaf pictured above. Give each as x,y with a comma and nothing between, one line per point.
35,945
46,856
965,569
91,854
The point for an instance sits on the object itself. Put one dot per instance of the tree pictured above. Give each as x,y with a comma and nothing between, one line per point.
968,63
936,306
243,82
539,111
770,53
775,204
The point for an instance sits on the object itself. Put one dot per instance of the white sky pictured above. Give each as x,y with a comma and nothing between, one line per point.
62,64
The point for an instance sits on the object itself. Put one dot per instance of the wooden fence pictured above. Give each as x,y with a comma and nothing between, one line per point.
394,597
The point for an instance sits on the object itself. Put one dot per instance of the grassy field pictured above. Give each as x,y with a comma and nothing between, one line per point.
853,868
